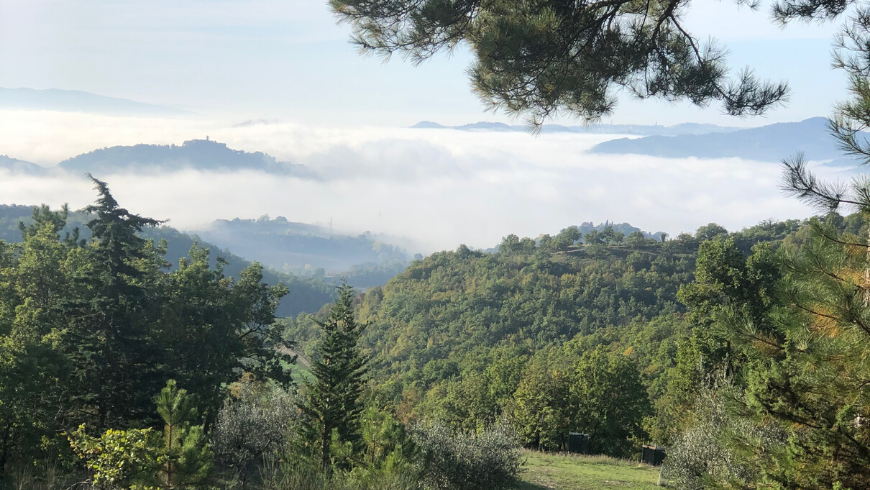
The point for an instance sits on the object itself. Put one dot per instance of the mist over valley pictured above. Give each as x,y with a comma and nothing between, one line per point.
432,189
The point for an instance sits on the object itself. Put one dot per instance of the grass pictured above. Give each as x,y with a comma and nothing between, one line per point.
564,472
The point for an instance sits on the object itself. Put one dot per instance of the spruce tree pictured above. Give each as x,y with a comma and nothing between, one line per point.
332,405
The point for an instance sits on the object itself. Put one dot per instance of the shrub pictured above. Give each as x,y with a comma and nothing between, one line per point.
449,460
723,448
255,425
122,459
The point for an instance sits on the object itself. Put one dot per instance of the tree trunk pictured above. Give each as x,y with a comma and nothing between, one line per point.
326,440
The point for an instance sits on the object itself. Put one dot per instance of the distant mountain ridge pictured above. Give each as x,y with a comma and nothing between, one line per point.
78,101
635,129
16,165
769,143
196,154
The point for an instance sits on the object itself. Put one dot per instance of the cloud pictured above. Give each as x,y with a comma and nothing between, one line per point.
438,187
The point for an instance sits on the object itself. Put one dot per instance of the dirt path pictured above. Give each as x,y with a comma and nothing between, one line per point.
302,358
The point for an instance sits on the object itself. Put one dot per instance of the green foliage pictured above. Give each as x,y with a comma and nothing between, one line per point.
452,337
255,423
600,394
809,373
87,330
139,458
188,459
540,58
305,293
723,447
453,308
486,460
120,459
729,302
788,327
232,319
389,448
542,412
611,402
332,405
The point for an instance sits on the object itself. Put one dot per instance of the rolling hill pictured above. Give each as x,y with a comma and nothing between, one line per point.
196,154
17,166
291,246
769,143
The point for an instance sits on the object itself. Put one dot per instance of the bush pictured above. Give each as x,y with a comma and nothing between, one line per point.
256,424
122,459
722,449
451,460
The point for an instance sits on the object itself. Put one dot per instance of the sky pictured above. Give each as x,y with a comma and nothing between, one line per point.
289,62
289,59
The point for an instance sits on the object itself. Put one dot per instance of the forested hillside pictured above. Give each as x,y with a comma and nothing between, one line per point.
465,354
305,293
458,333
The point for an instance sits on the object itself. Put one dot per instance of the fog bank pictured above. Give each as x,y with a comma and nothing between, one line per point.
437,187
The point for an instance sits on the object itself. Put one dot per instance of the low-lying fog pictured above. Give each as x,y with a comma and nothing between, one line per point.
437,187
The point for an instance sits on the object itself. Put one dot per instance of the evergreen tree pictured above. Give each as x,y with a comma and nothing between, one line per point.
187,457
111,314
816,378
332,404
538,58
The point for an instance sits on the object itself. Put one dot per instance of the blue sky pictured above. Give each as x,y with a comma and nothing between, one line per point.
289,59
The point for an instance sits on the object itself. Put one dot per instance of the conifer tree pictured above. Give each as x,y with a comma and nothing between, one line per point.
539,58
332,404
110,315
188,458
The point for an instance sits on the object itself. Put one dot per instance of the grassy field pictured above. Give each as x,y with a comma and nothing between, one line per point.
562,472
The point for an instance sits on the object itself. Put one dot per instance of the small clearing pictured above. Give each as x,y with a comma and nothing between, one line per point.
570,472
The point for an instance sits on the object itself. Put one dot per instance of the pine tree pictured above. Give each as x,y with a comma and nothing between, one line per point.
188,458
332,405
541,58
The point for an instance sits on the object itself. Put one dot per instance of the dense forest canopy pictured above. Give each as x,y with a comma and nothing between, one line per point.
464,325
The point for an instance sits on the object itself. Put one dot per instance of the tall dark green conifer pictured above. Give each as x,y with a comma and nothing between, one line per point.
109,318
332,405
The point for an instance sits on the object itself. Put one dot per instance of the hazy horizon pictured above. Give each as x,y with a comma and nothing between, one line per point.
439,188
